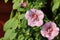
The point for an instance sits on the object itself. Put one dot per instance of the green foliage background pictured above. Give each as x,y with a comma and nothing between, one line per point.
16,27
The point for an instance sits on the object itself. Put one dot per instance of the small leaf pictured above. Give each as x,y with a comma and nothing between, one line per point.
10,34
55,6
5,1
23,23
14,1
16,4
11,15
27,32
22,16
30,39
55,1
21,37
21,9
12,23
1,38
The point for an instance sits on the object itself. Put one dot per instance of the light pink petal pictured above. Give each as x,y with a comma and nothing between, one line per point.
56,28
43,33
50,39
27,15
39,23
30,23
46,25
40,14
55,32
53,24
33,10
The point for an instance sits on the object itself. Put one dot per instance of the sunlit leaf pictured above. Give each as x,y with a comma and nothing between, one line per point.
11,23
16,4
22,16
21,37
30,39
10,34
11,15
55,6
5,1
23,23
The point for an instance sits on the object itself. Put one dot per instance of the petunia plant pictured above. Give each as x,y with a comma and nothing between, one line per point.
29,22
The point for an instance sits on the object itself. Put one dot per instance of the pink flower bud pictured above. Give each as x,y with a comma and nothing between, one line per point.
23,4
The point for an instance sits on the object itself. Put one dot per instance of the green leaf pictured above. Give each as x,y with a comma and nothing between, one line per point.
27,32
5,1
55,1
57,17
37,35
23,23
38,5
10,34
56,5
25,38
16,4
22,16
14,1
11,23
1,38
21,37
21,9
11,15
30,39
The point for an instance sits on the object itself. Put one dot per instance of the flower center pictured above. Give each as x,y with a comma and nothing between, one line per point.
35,16
49,30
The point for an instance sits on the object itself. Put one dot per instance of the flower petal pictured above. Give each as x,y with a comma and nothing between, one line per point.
46,25
33,10
43,33
27,15
55,32
40,14
31,23
53,24
39,23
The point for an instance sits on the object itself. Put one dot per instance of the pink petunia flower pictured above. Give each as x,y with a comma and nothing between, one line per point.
50,30
34,17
